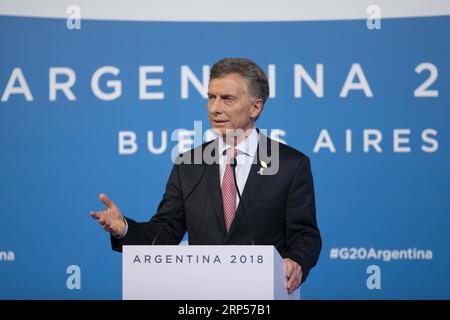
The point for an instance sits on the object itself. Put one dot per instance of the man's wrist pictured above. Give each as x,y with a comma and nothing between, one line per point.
124,233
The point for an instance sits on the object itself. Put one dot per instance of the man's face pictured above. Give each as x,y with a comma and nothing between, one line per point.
229,104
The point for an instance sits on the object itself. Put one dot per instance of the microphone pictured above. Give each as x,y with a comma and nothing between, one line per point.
181,204
233,165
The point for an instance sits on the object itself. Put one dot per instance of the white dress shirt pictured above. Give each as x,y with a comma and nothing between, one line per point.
244,159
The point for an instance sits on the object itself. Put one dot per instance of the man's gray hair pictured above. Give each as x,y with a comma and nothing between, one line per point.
257,83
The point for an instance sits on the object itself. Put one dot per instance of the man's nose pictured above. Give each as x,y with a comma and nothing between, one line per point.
216,106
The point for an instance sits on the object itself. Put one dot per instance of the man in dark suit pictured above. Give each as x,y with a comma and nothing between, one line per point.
203,193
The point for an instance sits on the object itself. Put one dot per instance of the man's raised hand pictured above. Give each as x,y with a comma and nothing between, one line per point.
111,218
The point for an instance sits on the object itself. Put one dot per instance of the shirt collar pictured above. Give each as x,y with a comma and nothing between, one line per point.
247,146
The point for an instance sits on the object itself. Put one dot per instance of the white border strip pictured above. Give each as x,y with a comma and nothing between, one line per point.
224,10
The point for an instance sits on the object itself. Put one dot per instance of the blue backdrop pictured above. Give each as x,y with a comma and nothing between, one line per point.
57,156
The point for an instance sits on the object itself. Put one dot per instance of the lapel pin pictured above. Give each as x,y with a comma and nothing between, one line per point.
263,166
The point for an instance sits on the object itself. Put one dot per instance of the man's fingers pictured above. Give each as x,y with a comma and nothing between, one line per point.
95,215
104,221
293,281
103,215
293,284
288,268
104,198
293,274
109,228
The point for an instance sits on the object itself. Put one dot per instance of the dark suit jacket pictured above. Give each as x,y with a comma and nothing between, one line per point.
280,208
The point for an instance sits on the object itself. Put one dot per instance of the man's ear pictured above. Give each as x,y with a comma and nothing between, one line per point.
256,109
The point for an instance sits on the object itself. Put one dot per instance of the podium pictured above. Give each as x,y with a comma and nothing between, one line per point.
203,273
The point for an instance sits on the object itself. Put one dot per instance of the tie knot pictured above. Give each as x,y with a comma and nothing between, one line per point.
231,155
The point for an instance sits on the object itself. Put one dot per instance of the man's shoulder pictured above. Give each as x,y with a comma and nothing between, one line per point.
201,154
286,152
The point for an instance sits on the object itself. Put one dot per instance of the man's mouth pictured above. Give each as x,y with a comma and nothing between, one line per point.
220,121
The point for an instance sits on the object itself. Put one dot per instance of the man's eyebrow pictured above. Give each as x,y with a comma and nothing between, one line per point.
227,96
